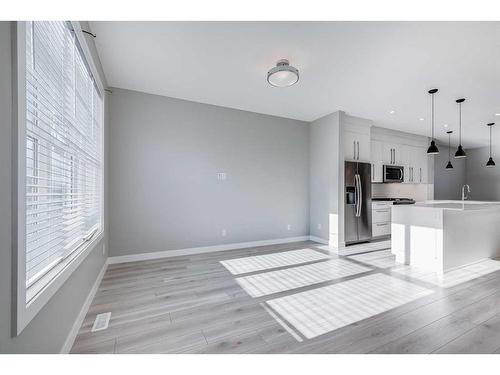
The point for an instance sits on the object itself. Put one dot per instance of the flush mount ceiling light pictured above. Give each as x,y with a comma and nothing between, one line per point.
449,165
460,151
432,150
283,74
490,162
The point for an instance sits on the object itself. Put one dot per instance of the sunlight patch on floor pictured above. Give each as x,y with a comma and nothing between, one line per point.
264,262
291,278
379,259
453,277
321,310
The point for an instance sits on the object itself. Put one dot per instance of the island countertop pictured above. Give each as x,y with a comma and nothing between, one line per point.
456,205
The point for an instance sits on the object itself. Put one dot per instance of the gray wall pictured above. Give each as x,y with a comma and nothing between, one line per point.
47,332
448,182
324,173
164,157
484,182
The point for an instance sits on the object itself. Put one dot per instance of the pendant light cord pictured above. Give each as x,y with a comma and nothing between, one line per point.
460,124
490,141
449,146
432,116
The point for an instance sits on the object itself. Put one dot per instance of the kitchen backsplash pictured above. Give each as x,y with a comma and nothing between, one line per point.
419,192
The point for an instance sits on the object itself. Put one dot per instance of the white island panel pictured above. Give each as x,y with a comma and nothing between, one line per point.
441,235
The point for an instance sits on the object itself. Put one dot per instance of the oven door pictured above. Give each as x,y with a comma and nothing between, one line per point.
393,173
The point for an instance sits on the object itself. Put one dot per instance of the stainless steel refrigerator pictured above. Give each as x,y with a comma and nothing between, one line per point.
358,202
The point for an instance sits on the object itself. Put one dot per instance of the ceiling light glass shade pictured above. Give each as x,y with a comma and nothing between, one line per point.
433,150
283,74
460,152
449,165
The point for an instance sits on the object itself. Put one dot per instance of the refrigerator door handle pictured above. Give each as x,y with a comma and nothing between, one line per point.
360,201
356,194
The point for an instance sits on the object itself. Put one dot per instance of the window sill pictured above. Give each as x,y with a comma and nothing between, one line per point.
38,294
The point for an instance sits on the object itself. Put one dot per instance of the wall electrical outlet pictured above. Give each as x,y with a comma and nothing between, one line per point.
289,227
223,233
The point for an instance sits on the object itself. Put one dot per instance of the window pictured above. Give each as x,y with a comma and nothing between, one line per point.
61,142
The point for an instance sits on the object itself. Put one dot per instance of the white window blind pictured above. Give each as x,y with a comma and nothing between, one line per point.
64,158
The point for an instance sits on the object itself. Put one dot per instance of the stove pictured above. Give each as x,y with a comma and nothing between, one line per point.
396,200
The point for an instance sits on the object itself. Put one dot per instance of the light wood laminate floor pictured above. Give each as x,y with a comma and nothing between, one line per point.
293,302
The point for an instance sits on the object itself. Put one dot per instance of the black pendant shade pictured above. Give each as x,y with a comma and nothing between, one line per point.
449,165
460,151
432,150
490,162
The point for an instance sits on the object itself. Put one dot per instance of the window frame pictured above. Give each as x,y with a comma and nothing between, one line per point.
43,289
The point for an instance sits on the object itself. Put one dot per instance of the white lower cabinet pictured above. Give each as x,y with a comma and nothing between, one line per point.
381,218
381,229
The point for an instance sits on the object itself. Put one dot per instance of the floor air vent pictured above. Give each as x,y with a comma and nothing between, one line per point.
101,322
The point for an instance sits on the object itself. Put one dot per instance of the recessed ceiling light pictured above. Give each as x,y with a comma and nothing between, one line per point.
283,74
392,112
497,114
421,119
445,125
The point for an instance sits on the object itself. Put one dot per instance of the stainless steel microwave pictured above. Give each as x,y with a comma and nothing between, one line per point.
393,173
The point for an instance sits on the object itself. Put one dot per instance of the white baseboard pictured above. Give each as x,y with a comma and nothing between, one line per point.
318,240
203,249
83,312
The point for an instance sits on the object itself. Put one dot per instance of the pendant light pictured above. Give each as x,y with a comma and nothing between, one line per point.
432,150
490,162
449,165
460,151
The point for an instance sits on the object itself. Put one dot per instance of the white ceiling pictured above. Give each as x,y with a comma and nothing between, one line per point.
364,68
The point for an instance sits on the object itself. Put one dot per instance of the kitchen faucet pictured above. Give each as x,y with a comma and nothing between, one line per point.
464,197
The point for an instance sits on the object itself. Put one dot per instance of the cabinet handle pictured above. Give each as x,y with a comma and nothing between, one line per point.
420,174
354,150
382,225
358,148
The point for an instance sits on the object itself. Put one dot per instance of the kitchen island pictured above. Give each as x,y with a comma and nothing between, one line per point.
441,235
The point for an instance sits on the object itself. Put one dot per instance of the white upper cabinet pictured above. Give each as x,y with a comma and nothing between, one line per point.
357,146
356,138
402,149
377,161
415,163
393,153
